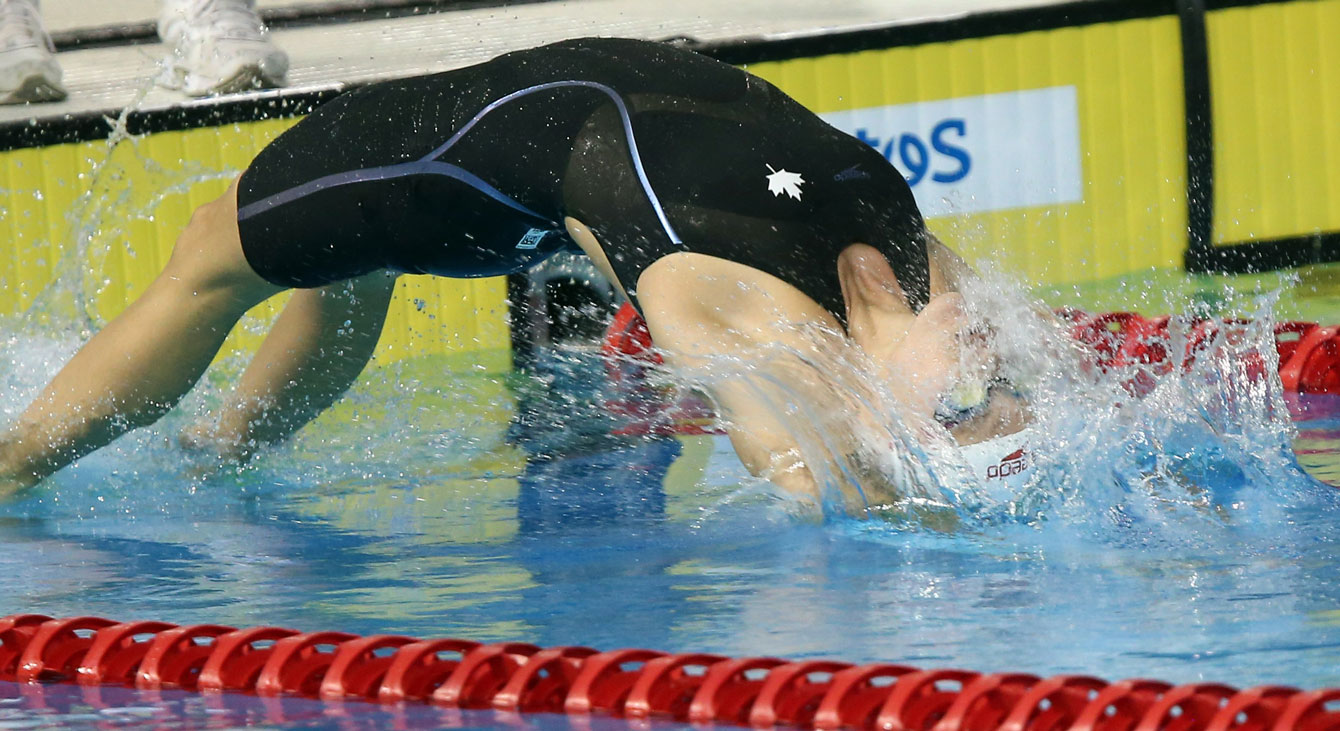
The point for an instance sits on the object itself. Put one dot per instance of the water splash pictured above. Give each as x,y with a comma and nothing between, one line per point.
122,185
98,221
1197,445
1171,454
1161,452
845,427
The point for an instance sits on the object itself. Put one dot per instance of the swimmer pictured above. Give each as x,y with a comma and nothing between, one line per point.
726,212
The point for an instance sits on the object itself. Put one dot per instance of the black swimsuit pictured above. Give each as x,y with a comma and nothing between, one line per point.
470,173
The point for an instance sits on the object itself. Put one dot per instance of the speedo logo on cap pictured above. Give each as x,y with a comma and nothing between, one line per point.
1011,464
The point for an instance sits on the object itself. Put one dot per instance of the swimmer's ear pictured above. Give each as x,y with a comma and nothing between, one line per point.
871,294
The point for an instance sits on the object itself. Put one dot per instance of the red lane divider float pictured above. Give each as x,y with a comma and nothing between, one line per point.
1309,354
1309,357
643,684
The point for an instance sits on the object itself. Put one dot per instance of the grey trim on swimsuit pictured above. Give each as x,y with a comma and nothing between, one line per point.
428,165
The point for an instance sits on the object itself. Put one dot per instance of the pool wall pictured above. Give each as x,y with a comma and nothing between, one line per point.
1087,139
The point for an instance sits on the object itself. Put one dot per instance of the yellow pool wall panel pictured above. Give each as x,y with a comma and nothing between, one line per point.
1127,78
108,216
1275,79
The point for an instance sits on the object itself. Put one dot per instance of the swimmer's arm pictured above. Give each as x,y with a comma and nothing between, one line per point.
763,410
707,314
957,275
949,266
784,398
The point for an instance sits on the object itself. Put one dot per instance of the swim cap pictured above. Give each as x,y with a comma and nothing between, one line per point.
1004,462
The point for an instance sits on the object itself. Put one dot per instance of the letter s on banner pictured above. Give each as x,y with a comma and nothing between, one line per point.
945,148
986,153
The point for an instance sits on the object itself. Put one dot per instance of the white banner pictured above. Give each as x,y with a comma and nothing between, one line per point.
979,153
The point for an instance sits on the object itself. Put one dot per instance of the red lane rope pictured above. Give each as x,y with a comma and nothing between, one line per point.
640,684
1309,354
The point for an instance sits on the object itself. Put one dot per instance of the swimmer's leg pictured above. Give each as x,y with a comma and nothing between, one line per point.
318,346
147,358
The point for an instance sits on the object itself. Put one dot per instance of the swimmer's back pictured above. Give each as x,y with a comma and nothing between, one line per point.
471,172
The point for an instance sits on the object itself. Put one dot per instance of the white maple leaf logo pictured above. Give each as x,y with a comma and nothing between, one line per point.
784,181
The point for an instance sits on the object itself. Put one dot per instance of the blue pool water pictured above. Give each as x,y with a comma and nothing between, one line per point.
384,517
64,707
1186,536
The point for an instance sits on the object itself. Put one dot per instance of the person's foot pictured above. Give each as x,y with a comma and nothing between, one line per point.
204,438
28,68
219,47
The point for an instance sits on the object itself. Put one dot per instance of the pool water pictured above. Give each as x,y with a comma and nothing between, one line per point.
434,504
36,706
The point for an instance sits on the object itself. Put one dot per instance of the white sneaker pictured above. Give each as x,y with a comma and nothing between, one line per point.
28,68
219,47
